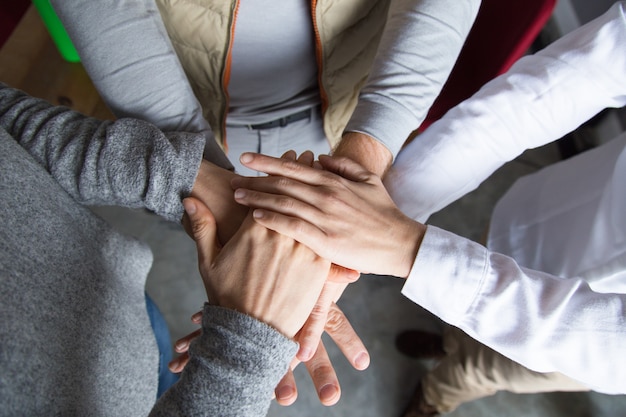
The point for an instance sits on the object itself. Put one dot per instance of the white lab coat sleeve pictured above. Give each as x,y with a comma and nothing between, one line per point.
546,323
540,99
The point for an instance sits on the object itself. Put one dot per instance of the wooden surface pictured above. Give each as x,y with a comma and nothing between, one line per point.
30,61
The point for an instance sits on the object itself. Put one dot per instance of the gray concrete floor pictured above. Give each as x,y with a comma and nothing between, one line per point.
376,309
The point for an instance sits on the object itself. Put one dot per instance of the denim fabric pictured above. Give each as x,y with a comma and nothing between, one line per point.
162,335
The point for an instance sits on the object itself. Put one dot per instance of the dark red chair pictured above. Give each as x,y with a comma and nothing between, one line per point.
502,33
10,14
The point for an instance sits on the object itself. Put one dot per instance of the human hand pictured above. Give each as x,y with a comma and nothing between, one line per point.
319,365
342,212
258,272
324,316
311,333
212,187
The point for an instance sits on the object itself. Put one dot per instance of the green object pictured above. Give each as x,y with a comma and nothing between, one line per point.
56,30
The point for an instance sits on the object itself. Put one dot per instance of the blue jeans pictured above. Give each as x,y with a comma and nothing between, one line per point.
164,342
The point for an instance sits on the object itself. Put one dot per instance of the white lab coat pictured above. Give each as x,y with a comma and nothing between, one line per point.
567,220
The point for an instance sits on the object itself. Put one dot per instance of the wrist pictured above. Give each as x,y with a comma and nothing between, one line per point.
213,188
409,243
365,150
211,179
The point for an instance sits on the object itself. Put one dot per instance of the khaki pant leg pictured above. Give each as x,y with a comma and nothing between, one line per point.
471,371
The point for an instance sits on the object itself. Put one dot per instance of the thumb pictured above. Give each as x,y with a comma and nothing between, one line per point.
203,228
345,167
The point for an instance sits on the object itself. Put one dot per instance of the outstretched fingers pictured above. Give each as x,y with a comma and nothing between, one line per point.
274,194
311,333
298,170
324,377
286,391
341,331
297,229
322,374
181,346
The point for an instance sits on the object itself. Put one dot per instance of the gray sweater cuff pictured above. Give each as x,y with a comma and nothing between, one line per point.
234,367
128,162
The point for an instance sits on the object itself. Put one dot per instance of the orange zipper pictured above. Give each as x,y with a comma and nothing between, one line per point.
226,76
319,57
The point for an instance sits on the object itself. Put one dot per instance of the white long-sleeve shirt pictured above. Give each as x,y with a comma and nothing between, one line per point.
542,321
540,99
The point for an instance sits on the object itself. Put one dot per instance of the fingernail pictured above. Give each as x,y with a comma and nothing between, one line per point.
181,345
190,206
173,365
285,392
328,392
258,214
235,182
245,158
240,193
362,361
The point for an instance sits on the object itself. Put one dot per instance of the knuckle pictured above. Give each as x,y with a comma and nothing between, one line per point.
282,182
328,194
333,200
290,167
298,226
334,181
319,311
285,203
321,370
198,227
335,320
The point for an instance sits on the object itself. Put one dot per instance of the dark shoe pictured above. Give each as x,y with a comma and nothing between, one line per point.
418,406
420,344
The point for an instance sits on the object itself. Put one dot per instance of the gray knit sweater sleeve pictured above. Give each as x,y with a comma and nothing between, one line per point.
127,52
128,162
233,369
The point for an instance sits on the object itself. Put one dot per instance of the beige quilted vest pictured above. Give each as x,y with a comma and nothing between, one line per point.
347,35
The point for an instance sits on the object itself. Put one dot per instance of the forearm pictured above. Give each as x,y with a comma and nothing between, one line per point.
408,72
544,322
126,51
128,162
539,100
233,369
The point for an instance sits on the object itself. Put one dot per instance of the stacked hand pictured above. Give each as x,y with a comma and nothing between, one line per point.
342,212
258,272
325,316
337,208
